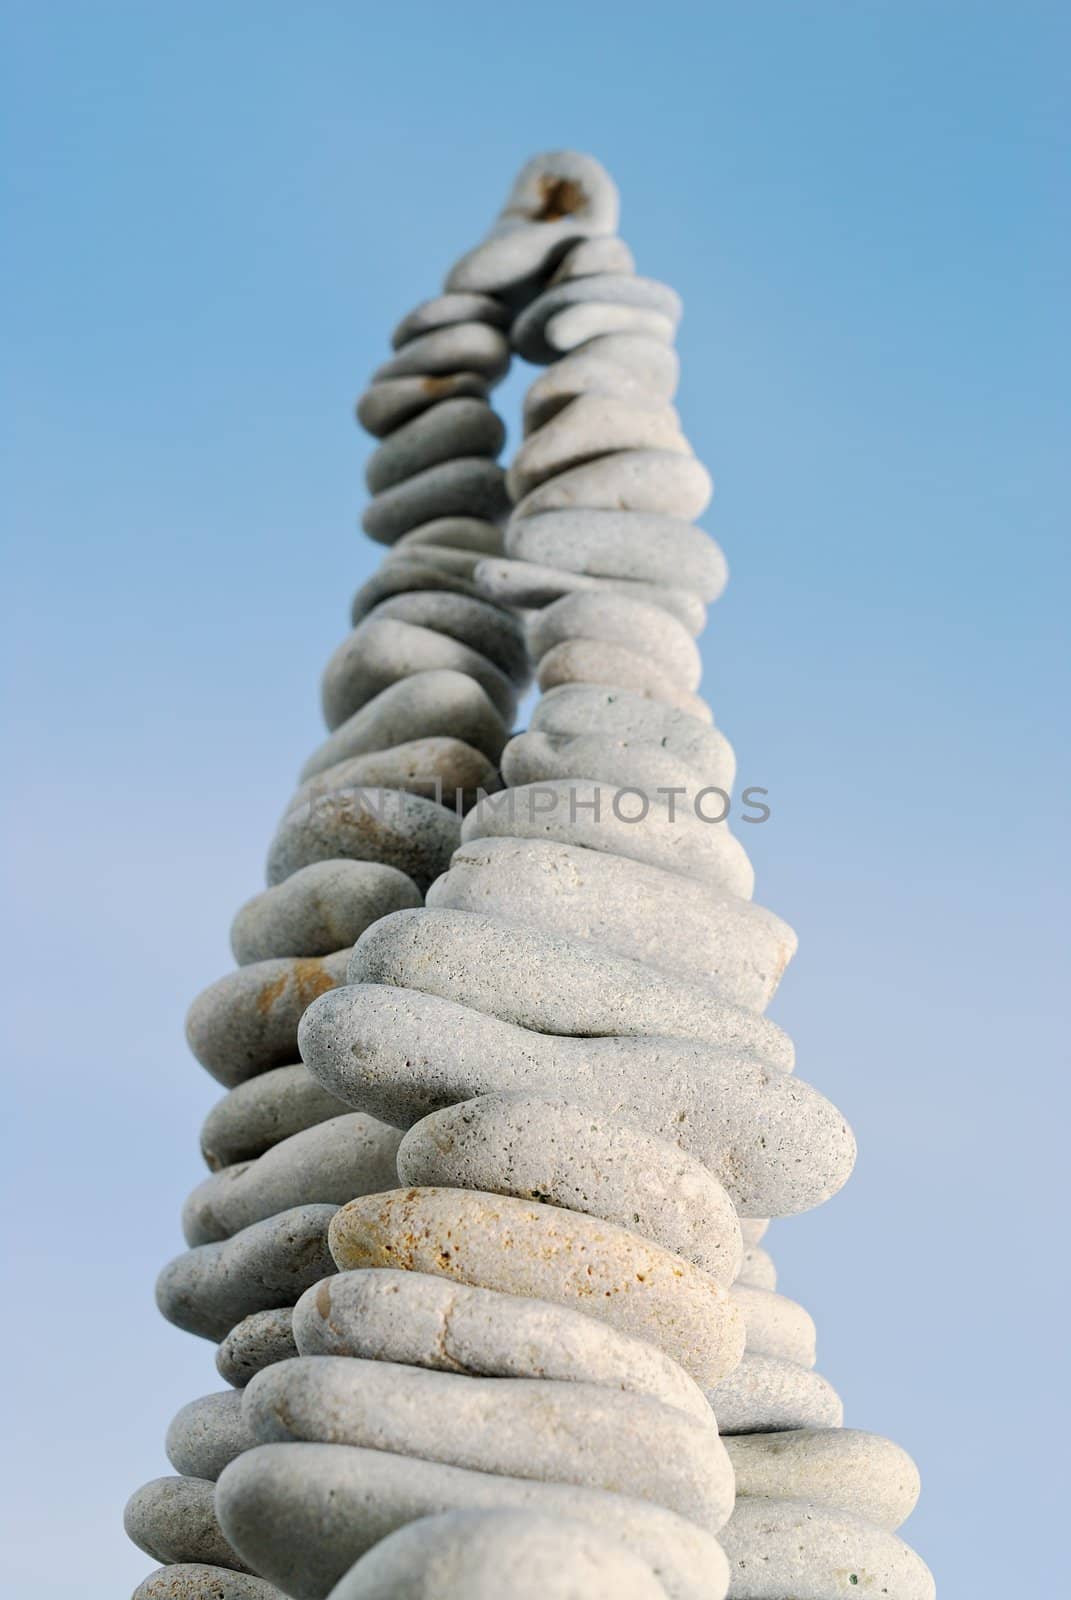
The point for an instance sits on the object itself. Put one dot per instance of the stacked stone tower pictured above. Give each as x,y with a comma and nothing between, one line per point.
505,1120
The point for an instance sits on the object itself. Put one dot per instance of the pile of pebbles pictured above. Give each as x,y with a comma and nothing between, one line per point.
484,1260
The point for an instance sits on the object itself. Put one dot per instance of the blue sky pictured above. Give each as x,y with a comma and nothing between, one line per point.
215,214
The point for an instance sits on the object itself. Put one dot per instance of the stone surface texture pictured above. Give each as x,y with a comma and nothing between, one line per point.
505,1122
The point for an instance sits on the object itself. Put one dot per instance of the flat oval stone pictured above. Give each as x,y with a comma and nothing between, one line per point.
621,822
459,427
787,1547
633,545
263,1111
773,1142
632,480
626,907
497,1242
482,1555
194,1580
580,708
653,362
483,626
581,373
208,1433
303,1514
418,1320
547,1148
456,533
468,486
600,296
591,661
254,1343
588,426
381,650
757,1270
549,983
405,831
210,1288
322,908
173,1519
247,1022
438,769
446,704
406,569
615,620
523,583
455,562
386,405
839,1468
594,255
445,310
458,347
765,1395
576,1433
578,325
612,759
775,1326
327,1165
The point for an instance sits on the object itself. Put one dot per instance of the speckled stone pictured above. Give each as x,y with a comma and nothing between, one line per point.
458,427
662,481
194,1580
327,1164
483,1555
593,661
765,1395
247,1022
406,831
839,1468
547,1148
784,1547
581,709
592,424
469,486
651,362
407,568
528,585
322,908
626,907
261,1112
554,984
446,704
611,619
614,759
208,1433
575,1433
486,628
210,1288
174,1519
254,1343
435,769
630,545
775,1325
424,1321
498,1242
458,347
382,650
444,311
304,1513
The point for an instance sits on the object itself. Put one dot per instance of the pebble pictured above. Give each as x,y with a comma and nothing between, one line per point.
582,374
498,1242
459,427
627,908
591,661
446,560
766,1395
654,363
591,425
577,1433
406,831
174,1519
208,1433
776,1144
611,759
839,1468
194,1580
662,481
322,908
326,1164
458,347
469,486
419,1320
595,293
381,650
783,1547
775,1325
594,255
483,1555
484,627
579,324
666,833
263,1111
446,704
634,545
408,569
525,584
757,1270
303,1513
456,533
388,404
247,1022
551,983
208,1289
615,620
548,1148
254,1343
576,709
435,768
445,310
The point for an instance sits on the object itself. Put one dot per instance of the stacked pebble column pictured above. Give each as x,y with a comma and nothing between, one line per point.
509,1384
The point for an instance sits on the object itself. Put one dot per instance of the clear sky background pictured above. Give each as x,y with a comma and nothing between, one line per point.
215,214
